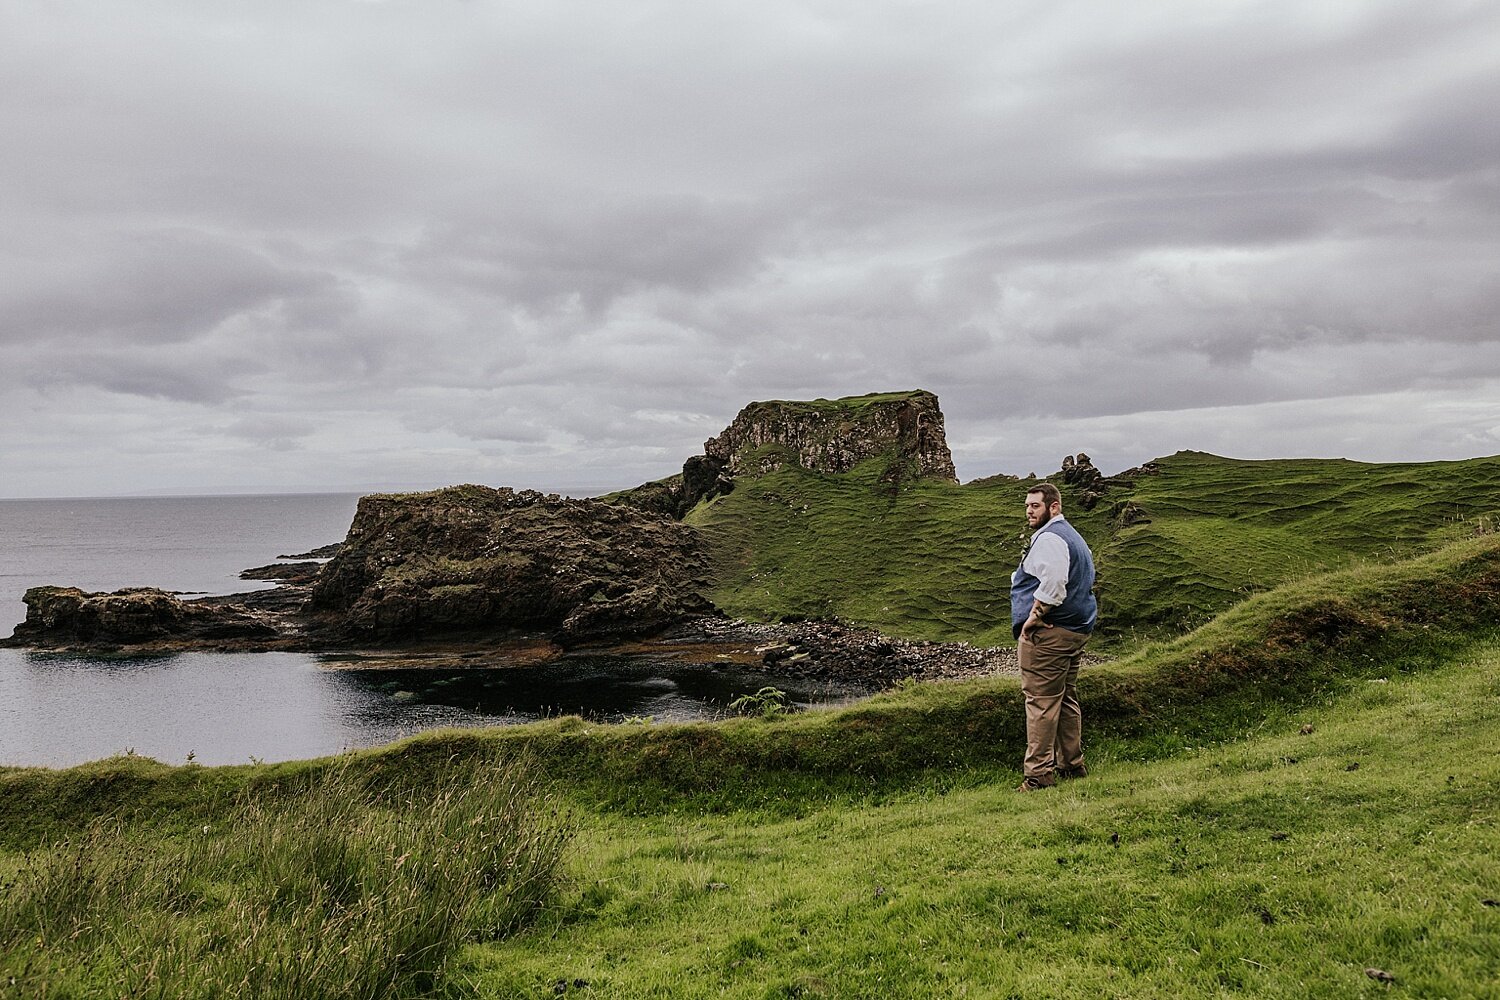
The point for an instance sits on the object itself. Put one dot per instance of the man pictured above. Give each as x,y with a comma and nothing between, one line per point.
1052,613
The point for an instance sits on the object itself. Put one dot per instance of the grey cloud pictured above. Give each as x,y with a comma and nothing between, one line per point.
148,288
534,257
407,241
275,430
146,377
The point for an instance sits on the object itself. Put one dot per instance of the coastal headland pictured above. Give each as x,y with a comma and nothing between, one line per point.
478,575
822,537
1291,787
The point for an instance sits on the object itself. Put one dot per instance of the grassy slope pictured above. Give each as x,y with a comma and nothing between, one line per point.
934,559
1222,529
1278,867
1216,850
878,851
1272,653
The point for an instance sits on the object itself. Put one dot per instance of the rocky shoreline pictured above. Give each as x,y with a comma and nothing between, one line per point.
147,622
840,651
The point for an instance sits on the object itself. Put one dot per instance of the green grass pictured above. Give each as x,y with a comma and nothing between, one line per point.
325,888
1272,867
879,850
934,559
1222,529
931,560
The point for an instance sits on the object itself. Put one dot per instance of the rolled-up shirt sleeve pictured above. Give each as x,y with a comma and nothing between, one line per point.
1049,562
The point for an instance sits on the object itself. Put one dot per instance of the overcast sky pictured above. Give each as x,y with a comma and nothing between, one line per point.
287,245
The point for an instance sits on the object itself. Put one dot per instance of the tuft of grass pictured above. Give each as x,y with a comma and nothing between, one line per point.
770,703
332,889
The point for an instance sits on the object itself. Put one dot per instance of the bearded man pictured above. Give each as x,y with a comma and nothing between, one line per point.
1052,613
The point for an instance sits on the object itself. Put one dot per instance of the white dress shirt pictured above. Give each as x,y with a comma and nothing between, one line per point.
1048,560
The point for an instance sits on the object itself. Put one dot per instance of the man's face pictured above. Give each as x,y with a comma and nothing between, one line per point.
1037,512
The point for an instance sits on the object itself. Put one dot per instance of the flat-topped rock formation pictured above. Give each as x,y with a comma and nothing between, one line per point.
66,617
903,429
470,557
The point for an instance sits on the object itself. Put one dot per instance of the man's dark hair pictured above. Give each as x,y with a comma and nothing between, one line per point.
1049,494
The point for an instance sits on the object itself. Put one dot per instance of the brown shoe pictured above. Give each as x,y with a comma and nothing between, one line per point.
1033,785
1066,773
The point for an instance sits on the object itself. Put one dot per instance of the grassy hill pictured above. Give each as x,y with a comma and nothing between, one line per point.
1298,792
933,559
1221,529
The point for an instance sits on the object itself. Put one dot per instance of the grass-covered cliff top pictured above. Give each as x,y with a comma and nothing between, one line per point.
843,404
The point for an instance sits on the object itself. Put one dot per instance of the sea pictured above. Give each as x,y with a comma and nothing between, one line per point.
59,710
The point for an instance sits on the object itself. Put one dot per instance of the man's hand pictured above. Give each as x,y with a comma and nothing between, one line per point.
1034,621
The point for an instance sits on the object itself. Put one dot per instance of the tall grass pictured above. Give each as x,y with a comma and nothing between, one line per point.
336,889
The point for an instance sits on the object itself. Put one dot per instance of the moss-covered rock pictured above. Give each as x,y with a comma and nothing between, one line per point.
65,617
471,557
835,435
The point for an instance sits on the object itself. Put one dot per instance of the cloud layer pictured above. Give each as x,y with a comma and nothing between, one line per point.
281,245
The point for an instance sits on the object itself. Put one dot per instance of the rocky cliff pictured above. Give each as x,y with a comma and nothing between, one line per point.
835,435
472,557
904,429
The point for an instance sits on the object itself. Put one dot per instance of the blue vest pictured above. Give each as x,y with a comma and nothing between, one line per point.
1079,611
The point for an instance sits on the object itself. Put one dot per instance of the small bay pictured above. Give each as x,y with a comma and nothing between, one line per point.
226,708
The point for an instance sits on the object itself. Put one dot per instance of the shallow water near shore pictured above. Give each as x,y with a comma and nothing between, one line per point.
235,708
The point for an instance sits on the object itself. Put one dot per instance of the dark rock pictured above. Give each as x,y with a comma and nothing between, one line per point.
1079,471
846,652
1127,513
703,478
293,573
470,557
1085,483
321,552
59,617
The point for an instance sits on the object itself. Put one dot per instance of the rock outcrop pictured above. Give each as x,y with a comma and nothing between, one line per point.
904,429
62,617
472,557
836,435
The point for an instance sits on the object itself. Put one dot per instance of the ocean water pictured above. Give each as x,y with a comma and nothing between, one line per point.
194,545
227,708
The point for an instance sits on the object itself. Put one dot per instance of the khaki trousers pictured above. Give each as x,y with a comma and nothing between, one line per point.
1054,723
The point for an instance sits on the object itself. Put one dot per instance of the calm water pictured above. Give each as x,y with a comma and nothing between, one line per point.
232,708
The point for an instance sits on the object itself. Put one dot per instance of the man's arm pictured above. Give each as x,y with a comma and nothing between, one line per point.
1048,561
